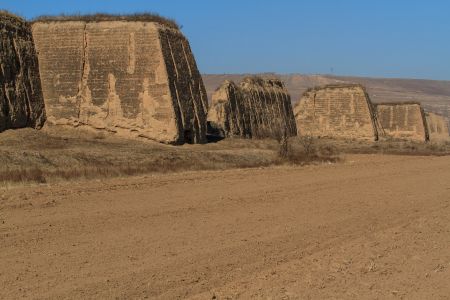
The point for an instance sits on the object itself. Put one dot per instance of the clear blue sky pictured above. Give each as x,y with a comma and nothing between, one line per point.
380,38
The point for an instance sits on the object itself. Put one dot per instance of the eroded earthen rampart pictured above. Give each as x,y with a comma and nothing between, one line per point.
342,111
403,121
437,127
256,108
21,101
134,78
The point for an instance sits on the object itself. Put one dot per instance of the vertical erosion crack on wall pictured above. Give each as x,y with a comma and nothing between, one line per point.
186,59
196,110
377,129
84,95
114,106
149,107
180,107
30,77
203,98
131,53
22,78
175,66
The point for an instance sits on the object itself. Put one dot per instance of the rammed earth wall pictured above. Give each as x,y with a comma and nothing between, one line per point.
256,108
343,111
134,78
437,127
21,101
403,120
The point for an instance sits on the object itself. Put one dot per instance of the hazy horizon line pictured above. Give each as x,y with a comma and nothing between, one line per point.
330,75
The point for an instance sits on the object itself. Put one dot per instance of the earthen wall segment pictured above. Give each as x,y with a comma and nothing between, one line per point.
256,108
437,127
21,100
134,78
337,111
403,121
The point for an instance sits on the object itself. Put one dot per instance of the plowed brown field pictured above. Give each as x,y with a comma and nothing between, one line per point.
372,227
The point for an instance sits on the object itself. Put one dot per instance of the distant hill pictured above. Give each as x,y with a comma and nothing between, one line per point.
433,94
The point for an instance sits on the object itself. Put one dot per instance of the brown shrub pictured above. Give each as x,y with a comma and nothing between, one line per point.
23,175
303,150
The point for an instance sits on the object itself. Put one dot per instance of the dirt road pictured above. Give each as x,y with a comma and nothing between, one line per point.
371,227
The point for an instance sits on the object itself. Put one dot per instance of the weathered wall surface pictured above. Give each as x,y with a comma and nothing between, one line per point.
133,78
403,120
437,127
343,111
21,101
257,108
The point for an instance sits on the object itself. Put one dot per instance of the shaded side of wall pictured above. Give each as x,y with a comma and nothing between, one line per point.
225,113
437,127
343,111
403,121
257,108
186,86
21,100
113,75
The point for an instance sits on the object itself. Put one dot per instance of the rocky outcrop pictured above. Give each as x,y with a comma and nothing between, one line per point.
256,108
341,110
437,127
403,121
21,101
135,78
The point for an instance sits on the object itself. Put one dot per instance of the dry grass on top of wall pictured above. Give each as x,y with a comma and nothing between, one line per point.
400,103
11,18
333,86
99,17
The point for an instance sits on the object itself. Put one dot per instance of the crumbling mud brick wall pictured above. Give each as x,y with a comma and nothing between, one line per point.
134,78
437,127
256,108
343,111
403,121
21,101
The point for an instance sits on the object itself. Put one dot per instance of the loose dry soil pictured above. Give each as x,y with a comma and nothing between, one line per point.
372,227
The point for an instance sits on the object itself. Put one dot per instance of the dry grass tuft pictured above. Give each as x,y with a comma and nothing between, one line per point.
304,150
22,175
